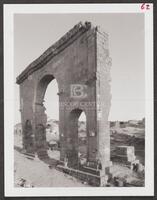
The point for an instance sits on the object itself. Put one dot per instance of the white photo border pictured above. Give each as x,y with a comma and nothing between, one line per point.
9,11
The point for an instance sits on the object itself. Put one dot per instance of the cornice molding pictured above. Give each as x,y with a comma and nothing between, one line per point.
55,49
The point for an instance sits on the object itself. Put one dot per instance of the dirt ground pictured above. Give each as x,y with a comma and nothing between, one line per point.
38,174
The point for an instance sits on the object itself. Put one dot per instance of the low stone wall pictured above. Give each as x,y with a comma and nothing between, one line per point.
91,179
124,155
90,170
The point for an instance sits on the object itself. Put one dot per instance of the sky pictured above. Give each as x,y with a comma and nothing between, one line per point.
34,33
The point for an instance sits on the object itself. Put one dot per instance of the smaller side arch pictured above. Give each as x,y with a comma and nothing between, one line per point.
72,138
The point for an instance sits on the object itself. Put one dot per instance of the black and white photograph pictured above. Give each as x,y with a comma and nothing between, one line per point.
80,105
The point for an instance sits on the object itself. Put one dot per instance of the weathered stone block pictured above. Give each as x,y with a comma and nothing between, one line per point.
125,154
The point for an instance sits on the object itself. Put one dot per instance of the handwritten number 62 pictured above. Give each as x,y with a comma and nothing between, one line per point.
145,6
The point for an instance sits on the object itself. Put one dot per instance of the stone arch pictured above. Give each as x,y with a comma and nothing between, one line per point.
77,60
42,86
72,137
73,120
40,115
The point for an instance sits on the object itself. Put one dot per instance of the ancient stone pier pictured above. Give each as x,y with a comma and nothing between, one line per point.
80,63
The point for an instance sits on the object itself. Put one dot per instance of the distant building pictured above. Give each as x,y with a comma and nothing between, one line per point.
52,131
112,124
143,121
122,124
137,123
133,122
18,129
118,124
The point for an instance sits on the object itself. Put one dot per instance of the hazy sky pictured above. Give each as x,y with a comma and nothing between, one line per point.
34,33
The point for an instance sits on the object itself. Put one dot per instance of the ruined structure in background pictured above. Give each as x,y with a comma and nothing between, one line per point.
80,63
125,154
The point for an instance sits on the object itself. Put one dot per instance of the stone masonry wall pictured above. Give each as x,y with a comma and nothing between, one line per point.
82,59
103,98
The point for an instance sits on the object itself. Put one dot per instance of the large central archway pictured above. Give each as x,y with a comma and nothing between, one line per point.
41,117
51,104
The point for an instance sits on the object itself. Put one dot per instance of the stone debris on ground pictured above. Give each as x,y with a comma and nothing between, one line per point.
38,174
35,173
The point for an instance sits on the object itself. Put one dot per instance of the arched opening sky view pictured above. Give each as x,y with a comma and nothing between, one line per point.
34,33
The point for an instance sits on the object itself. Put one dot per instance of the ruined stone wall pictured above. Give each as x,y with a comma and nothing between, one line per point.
81,60
26,109
103,98
73,65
